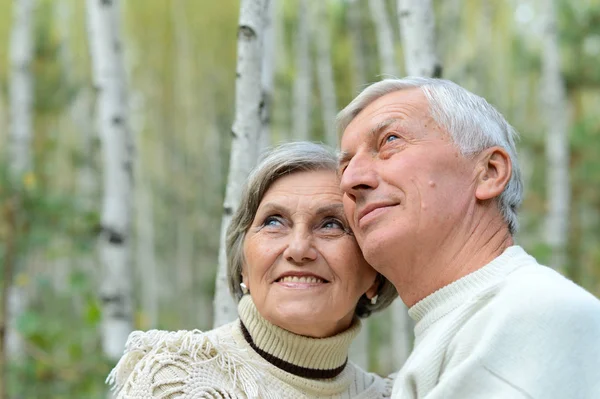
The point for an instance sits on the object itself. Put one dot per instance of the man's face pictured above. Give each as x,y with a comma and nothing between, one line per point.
406,186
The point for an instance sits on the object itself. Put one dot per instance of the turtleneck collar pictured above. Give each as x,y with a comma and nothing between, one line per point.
296,354
443,301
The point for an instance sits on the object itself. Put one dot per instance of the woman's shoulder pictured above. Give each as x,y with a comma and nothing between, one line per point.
158,361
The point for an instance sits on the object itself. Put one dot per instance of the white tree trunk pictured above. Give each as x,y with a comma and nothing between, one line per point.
184,271
417,30
401,342
359,350
21,87
557,141
302,81
145,259
246,131
22,48
322,41
117,152
267,76
385,38
355,30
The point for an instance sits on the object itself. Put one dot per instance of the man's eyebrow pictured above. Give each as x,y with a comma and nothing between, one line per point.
381,126
345,157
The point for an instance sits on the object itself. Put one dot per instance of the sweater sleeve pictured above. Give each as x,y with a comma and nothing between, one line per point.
161,364
531,344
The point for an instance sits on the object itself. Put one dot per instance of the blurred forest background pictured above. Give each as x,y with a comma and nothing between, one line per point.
180,68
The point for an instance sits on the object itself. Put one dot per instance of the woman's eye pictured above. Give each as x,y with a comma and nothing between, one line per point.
333,224
272,221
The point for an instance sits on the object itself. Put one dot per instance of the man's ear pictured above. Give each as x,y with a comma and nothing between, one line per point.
495,170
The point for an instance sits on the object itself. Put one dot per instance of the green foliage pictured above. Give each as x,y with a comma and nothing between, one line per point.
580,35
63,360
53,86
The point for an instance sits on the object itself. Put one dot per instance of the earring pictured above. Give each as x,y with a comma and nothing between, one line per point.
244,288
374,299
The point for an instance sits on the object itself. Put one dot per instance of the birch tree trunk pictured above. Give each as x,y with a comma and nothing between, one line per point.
355,30
117,153
20,162
302,81
246,130
321,39
267,77
21,88
417,30
557,141
385,38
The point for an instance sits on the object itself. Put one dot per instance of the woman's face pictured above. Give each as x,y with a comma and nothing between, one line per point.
303,266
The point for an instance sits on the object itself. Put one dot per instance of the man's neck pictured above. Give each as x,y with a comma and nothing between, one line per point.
451,260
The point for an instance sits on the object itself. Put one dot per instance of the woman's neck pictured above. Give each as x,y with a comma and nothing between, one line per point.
297,354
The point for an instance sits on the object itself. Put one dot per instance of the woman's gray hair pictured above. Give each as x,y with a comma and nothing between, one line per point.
473,125
281,161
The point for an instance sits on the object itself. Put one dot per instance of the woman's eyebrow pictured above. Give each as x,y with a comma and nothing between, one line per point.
333,209
271,207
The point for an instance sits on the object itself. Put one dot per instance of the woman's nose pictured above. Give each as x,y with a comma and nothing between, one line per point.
300,248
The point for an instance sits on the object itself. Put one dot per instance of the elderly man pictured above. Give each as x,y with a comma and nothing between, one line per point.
432,186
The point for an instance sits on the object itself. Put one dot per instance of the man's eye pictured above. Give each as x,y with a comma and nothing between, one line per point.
391,137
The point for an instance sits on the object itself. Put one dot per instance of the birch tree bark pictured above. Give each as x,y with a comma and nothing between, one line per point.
417,31
20,162
108,72
355,30
302,81
21,88
246,130
385,38
267,76
558,187
321,39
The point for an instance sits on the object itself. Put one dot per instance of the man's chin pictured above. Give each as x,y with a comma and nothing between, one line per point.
378,248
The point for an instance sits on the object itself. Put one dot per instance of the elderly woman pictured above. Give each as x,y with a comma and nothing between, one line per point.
301,284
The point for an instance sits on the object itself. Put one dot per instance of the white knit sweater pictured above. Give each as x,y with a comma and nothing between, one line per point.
248,358
513,329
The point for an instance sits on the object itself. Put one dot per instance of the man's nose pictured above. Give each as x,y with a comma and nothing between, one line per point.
300,248
359,176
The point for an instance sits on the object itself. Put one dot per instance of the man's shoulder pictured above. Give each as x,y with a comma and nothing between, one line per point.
535,289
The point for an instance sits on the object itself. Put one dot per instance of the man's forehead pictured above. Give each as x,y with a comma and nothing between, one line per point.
403,104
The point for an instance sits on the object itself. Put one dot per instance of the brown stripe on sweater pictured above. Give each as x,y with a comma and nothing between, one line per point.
290,367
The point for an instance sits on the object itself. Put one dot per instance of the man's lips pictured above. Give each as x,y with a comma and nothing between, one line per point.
371,210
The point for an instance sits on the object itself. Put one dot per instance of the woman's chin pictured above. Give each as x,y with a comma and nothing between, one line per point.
305,317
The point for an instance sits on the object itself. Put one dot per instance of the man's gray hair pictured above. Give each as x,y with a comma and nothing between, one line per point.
280,161
472,123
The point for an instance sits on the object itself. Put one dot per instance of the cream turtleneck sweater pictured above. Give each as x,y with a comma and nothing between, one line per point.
512,329
248,358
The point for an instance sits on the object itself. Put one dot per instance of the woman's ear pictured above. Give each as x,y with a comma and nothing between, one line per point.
373,289
245,279
495,170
